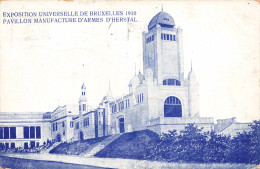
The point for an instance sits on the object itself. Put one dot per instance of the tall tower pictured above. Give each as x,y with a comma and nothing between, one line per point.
162,49
83,101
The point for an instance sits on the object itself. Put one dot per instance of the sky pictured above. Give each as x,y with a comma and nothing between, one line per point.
44,65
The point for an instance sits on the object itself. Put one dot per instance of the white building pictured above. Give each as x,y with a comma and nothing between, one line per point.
62,125
160,99
231,127
24,129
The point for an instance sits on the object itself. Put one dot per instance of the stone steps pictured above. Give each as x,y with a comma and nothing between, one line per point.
50,148
99,146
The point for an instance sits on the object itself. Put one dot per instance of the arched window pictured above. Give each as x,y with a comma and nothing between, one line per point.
171,82
172,107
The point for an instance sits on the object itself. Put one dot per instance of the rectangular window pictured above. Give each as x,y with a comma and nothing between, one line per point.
162,36
1,132
56,126
53,126
63,124
32,132
13,132
174,37
26,145
25,132
85,122
37,144
71,124
77,125
38,131
6,132
152,37
32,144
84,107
12,145
142,97
168,37
79,108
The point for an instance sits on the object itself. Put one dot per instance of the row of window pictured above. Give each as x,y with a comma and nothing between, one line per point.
121,106
150,39
28,132
114,108
7,132
83,107
168,37
55,125
140,98
171,82
26,145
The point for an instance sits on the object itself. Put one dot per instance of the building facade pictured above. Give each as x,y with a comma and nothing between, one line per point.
160,99
25,130
62,124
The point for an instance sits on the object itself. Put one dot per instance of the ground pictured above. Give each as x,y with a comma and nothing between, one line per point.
47,159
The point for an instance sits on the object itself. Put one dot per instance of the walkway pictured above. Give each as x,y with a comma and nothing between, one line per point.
124,163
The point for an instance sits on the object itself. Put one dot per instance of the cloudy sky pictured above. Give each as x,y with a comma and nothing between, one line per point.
44,65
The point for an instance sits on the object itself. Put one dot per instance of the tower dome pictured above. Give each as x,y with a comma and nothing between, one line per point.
163,19
191,75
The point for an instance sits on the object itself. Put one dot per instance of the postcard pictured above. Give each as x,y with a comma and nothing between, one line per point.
133,84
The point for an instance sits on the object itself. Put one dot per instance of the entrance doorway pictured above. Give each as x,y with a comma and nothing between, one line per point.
58,138
81,135
172,107
122,125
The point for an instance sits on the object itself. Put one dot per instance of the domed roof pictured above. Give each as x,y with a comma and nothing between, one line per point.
83,87
191,75
140,77
161,18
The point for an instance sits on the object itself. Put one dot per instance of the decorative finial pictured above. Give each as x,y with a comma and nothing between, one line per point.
162,7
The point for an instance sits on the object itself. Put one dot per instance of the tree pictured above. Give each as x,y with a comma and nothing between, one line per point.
192,144
217,148
255,142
